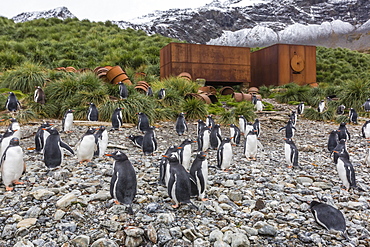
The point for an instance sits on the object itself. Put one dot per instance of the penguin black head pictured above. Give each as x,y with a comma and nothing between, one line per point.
118,108
202,155
11,94
14,141
51,130
102,128
314,203
13,120
118,155
70,111
90,131
342,124
91,104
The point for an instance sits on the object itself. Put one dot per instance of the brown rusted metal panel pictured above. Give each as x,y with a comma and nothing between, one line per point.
216,64
282,63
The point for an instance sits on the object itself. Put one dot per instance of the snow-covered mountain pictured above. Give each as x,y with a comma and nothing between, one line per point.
252,23
60,13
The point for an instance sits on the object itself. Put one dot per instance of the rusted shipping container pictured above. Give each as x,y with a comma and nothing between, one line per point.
281,64
224,65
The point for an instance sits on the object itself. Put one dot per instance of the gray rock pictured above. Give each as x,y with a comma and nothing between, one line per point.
163,235
239,240
133,241
215,235
33,212
220,243
42,194
199,242
81,241
152,233
133,231
304,180
267,230
165,218
66,201
176,232
70,226
102,195
24,243
103,242
189,234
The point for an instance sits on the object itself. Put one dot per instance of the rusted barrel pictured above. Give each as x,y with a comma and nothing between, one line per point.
226,90
116,75
185,75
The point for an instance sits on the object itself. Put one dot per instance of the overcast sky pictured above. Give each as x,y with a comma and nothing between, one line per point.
97,10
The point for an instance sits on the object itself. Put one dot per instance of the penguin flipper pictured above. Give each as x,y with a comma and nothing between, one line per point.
281,129
65,146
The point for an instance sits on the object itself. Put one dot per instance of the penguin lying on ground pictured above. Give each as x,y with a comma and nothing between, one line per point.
340,109
86,146
12,165
136,140
123,184
199,171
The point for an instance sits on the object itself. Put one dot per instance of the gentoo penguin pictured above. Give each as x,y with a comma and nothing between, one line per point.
259,105
161,93
328,217
181,125
92,113
53,152
143,122
117,118
289,129
300,108
199,171
12,104
12,164
291,153
333,140
352,116
203,139
340,109
366,130
210,122
185,153
293,117
200,125
346,171
68,121
215,136
179,185
242,124
235,134
149,92
136,140
39,95
254,99
248,127
250,145
164,167
123,91
366,105
340,148
321,106
257,126
149,141
5,140
224,154
86,146
101,140
14,125
41,136
343,132
123,184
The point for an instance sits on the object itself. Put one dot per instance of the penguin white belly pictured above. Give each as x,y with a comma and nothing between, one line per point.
4,145
259,106
251,146
45,136
13,166
367,131
206,141
86,148
18,132
232,134
248,128
186,156
367,158
242,126
342,173
173,191
68,122
288,154
103,143
167,174
205,177
227,156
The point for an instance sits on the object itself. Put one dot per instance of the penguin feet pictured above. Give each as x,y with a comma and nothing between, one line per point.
204,199
7,188
176,206
17,182
117,202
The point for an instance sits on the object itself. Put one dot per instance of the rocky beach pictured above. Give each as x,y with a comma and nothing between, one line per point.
256,203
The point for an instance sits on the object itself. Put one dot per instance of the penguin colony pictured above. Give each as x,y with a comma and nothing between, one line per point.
184,179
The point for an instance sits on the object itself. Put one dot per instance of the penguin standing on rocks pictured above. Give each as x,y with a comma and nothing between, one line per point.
248,127
200,125
5,140
12,164
123,185
185,153
300,108
242,124
181,127
259,105
293,118
101,141
136,140
199,171
210,122
215,136
203,139
117,118
143,122
164,167
149,141
328,217
365,130
39,95
224,154
366,105
67,121
289,129
123,91
291,153
343,132
346,171
340,148
257,126
41,136
87,146
234,134
353,116
14,125
12,104
254,99
250,145
162,93
340,109
179,185
92,112
53,152
321,106
333,140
